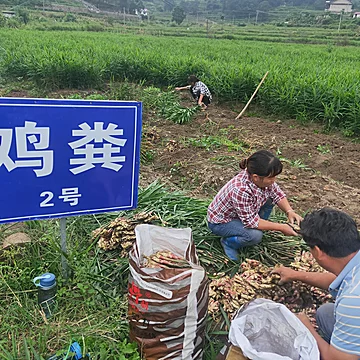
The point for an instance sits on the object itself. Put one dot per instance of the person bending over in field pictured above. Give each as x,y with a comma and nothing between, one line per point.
199,91
334,242
240,210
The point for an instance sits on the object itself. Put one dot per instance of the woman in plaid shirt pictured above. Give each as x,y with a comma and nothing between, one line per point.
240,210
199,91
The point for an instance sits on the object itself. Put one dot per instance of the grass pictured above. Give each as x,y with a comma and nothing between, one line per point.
87,312
92,306
324,149
163,27
209,142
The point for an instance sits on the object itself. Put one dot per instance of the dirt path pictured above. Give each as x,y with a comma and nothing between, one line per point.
320,169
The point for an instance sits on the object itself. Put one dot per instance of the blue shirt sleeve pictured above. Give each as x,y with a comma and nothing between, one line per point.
346,334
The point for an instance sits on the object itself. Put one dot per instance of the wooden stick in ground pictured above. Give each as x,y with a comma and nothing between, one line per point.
252,96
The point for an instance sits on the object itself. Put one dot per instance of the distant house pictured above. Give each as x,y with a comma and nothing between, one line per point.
8,14
338,6
356,15
144,14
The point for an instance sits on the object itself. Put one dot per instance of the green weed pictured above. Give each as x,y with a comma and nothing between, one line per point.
297,163
226,160
324,149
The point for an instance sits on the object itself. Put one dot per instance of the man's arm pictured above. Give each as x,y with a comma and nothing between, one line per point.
327,351
320,280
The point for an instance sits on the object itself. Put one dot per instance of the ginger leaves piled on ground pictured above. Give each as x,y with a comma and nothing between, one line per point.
257,281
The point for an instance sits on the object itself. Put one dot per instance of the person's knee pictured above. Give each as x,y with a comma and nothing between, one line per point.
255,236
232,228
319,315
325,320
324,312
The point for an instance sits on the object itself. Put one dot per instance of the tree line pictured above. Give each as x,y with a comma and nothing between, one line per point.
224,9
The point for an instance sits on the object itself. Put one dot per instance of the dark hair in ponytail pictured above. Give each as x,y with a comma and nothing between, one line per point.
262,163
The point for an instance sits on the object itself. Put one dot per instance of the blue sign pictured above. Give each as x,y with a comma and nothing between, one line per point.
67,157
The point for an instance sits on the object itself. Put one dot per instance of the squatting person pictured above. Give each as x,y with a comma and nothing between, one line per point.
199,91
240,210
334,242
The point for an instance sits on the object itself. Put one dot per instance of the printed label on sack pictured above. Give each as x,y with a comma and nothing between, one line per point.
136,292
167,294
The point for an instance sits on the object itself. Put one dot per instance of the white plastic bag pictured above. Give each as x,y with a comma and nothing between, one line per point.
265,330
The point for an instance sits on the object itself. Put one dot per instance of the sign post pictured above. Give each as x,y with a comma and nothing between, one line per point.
61,158
63,247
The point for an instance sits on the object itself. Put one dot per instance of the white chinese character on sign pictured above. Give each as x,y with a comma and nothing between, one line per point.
6,138
97,155
38,138
70,195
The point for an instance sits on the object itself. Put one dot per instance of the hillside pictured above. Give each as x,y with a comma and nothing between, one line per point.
263,10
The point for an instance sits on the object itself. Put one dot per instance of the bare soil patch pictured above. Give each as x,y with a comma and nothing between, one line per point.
320,169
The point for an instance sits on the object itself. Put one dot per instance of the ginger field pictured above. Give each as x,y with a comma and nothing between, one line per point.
302,112
307,82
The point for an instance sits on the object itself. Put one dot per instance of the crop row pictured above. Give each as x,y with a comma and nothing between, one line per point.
305,81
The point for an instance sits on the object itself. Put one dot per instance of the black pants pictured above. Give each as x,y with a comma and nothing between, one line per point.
205,99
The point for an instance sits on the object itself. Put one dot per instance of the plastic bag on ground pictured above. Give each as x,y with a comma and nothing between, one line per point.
167,307
265,330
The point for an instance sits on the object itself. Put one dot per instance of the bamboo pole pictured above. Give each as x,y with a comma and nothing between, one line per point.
252,96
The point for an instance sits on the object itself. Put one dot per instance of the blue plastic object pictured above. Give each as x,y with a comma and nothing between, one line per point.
75,348
46,284
46,280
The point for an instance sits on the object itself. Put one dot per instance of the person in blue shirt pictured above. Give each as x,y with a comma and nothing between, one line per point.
334,242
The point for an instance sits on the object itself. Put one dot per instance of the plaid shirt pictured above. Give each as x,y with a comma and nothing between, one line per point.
200,88
241,199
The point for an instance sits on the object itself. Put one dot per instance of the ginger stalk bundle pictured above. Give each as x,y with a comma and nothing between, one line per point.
165,259
120,233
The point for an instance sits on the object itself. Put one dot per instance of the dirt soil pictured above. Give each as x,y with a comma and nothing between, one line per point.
319,169
200,157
